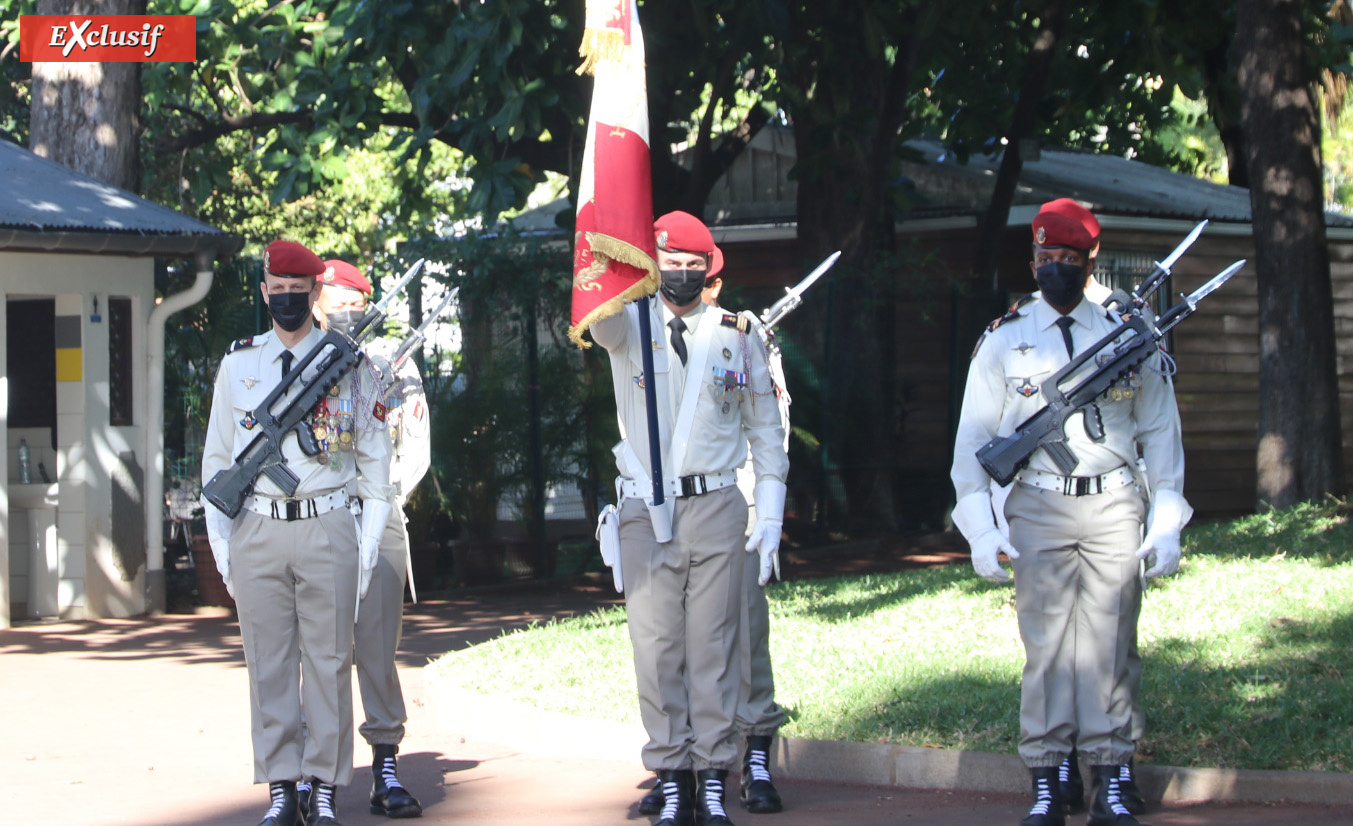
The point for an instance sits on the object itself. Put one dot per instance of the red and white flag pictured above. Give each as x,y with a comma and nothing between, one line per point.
613,255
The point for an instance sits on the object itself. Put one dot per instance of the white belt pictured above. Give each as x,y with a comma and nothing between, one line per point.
683,487
1077,485
293,509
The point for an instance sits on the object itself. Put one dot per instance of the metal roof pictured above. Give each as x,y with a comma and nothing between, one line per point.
51,207
1108,184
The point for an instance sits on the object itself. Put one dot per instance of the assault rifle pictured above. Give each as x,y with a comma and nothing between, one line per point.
322,368
1004,456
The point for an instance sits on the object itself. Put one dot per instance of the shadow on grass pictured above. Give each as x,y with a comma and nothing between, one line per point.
1321,532
842,599
1286,704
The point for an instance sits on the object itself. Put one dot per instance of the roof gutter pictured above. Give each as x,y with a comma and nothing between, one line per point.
118,243
154,500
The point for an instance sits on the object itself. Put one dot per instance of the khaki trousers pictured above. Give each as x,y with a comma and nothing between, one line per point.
757,712
682,600
376,638
295,589
1077,596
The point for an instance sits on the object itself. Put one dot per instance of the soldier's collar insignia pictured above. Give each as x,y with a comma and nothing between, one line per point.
1027,389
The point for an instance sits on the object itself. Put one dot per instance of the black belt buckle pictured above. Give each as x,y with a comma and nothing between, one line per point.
1083,485
688,485
293,510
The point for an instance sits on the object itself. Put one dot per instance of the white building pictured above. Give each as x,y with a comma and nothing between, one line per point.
81,387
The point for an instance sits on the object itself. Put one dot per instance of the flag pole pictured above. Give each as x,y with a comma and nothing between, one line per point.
651,399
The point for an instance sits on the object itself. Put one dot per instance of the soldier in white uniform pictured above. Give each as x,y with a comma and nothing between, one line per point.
344,292
1069,773
682,563
296,565
758,716
1075,542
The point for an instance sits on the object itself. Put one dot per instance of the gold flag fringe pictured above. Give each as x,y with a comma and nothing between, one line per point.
599,45
606,248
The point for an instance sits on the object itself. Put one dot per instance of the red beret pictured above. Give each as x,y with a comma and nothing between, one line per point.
1065,223
683,232
291,260
338,273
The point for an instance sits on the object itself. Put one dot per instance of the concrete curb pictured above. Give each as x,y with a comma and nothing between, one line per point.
457,712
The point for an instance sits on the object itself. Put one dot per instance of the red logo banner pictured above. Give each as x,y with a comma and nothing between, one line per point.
107,38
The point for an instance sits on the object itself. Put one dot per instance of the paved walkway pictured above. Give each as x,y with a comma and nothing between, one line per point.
145,723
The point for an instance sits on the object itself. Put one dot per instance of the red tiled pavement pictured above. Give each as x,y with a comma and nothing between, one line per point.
145,723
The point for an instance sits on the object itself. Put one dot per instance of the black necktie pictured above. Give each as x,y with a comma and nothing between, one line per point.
678,340
286,361
1065,323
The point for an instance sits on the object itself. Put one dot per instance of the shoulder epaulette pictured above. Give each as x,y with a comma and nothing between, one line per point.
1012,313
732,320
240,344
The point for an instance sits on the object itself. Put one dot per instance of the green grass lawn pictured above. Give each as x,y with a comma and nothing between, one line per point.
1248,650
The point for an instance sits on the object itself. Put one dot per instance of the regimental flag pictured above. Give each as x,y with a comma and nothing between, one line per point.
613,256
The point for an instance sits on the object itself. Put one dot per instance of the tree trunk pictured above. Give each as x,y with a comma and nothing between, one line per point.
86,115
844,203
1300,445
1021,126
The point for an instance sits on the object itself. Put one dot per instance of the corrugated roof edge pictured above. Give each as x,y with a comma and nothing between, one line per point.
182,235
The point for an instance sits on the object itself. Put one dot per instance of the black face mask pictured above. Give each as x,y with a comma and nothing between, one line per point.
289,310
1062,284
682,287
345,320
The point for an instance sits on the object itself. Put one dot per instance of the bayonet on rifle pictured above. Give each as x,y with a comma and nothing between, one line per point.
1004,456
794,295
1152,282
332,357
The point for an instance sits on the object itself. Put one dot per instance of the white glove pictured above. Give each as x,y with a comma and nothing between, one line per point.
608,535
374,516
219,529
974,519
769,496
1169,514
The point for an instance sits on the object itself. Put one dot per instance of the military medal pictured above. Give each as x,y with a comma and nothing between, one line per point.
321,432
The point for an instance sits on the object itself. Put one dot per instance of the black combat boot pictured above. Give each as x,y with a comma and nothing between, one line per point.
1106,802
1128,791
758,793
388,795
1073,786
709,798
323,807
283,811
651,803
1047,808
678,795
